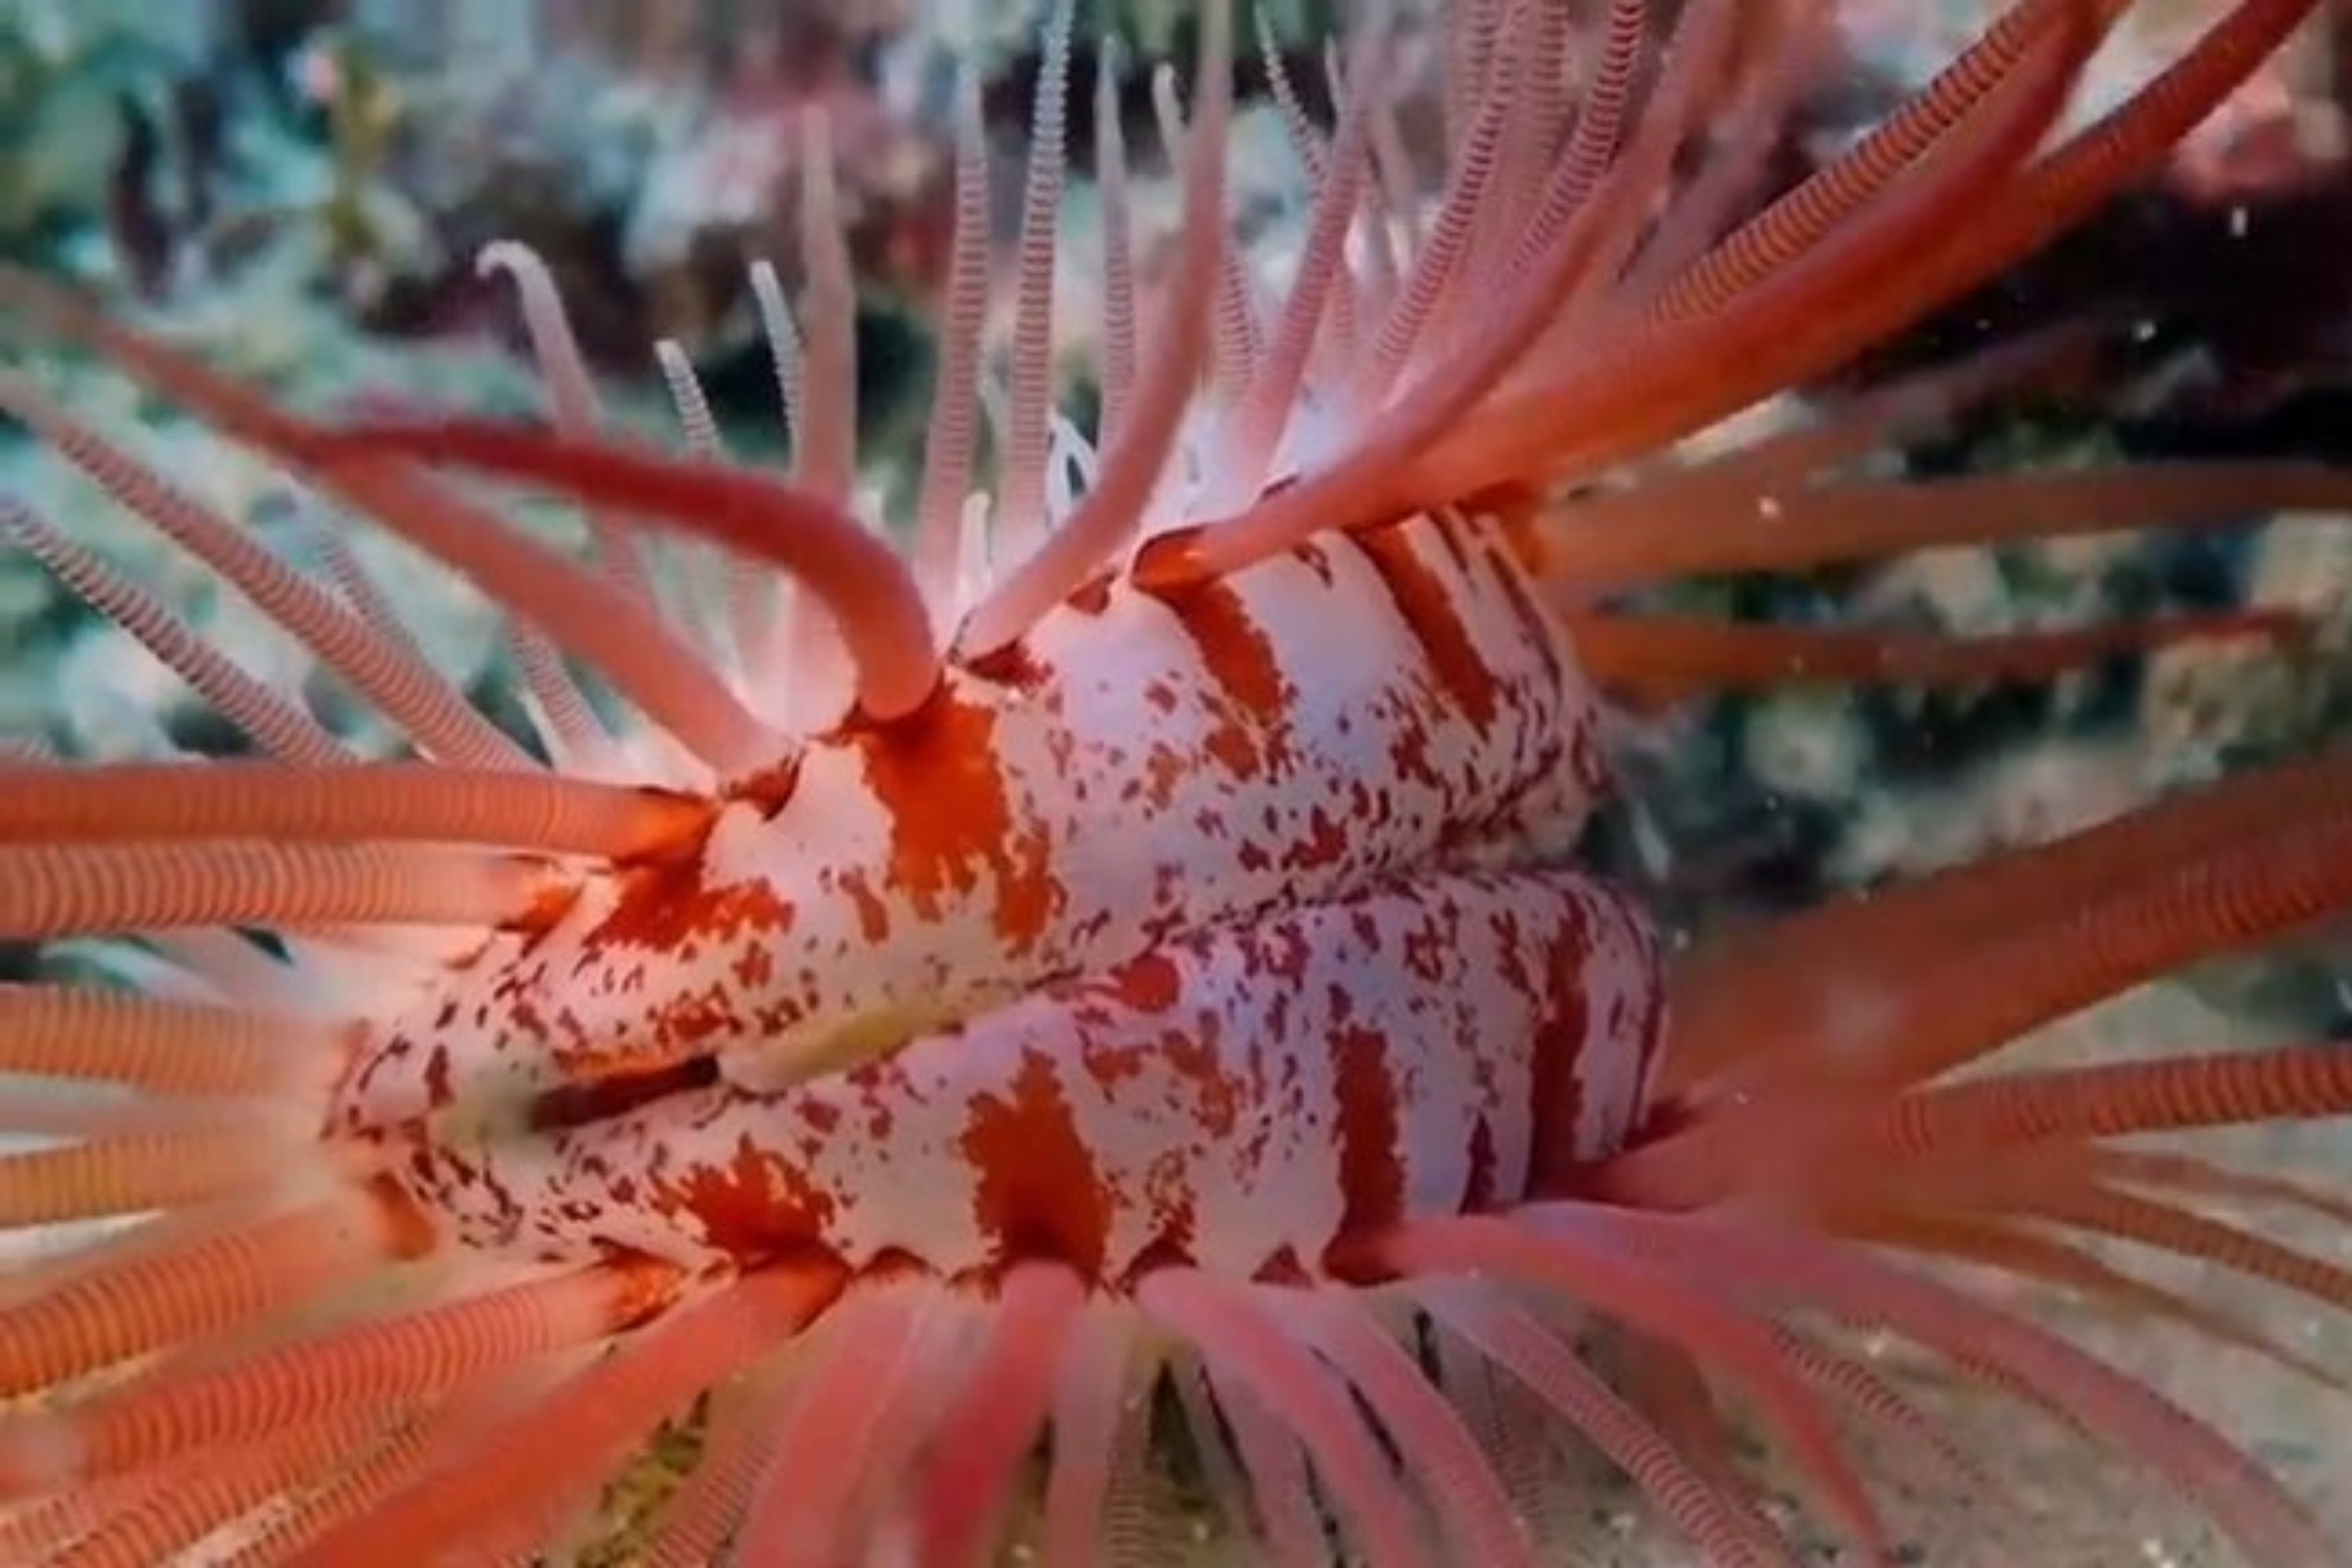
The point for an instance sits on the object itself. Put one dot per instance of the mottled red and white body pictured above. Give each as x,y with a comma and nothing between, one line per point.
1245,1099
1138,767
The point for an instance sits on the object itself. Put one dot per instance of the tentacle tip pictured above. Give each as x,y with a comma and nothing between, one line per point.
500,256
1167,562
676,823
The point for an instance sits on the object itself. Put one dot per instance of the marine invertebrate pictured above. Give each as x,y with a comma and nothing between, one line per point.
1127,958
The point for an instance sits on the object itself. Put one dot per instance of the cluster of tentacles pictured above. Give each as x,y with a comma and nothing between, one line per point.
256,1348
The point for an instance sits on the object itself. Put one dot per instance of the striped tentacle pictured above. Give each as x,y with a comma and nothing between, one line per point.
1689,355
1705,302
260,1319
1819,515
1782,1271
233,1218
1858,1035
509,1487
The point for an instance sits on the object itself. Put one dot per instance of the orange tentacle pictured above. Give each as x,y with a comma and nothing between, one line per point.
1659,659
1768,1003
164,1046
1655,1303
1991,1242
647,661
79,888
1807,1271
874,601
1107,519
497,1497
377,1362
1656,382
995,1418
171,1296
1719,529
166,802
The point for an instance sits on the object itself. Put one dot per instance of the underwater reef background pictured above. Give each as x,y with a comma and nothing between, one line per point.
300,188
